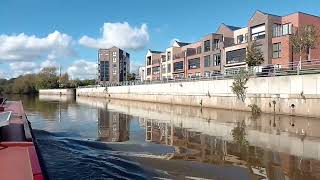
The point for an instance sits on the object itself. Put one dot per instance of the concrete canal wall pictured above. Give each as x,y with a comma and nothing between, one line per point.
57,91
271,94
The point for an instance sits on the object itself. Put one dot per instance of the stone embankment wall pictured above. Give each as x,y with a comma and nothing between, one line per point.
57,91
271,94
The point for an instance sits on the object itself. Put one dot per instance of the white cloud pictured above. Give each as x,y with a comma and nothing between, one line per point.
121,35
20,68
83,69
24,48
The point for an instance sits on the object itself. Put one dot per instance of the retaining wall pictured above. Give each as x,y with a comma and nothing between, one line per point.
57,91
271,94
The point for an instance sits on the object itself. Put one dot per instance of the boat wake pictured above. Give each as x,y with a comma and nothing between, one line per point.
67,158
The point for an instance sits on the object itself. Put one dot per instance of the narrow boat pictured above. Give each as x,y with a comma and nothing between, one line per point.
19,154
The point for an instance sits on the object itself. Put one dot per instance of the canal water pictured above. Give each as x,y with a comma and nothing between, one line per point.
94,138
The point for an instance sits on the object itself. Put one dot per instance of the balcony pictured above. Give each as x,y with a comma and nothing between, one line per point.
155,61
191,51
179,55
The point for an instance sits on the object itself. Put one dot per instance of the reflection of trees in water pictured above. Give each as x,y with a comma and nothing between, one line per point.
239,135
47,109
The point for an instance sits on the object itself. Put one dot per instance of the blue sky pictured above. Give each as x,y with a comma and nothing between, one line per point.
150,24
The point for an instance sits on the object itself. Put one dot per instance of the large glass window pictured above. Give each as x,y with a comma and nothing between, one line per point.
163,68
104,70
216,59
236,56
276,50
168,56
258,32
281,29
207,61
276,30
148,60
286,29
194,63
178,66
169,68
163,58
206,45
240,39
199,50
156,70
215,44
148,71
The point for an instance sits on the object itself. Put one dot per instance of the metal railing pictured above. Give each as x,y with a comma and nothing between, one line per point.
292,68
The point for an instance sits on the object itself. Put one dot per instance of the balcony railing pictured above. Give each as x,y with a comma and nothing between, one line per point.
292,68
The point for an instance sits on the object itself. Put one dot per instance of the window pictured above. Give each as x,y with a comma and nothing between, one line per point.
114,71
178,66
163,58
236,56
114,53
194,63
207,61
206,45
104,71
286,29
169,68
148,60
240,39
168,56
276,50
276,30
258,32
148,71
114,65
281,29
199,50
164,68
114,59
216,59
215,44
156,70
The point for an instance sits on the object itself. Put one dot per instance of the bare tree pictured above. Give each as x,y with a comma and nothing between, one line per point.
304,39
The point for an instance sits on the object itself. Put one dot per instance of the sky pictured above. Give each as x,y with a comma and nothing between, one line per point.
67,33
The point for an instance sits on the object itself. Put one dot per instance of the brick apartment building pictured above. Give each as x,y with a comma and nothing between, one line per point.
225,50
113,65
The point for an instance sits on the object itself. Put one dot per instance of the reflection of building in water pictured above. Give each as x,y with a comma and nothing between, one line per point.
113,126
263,163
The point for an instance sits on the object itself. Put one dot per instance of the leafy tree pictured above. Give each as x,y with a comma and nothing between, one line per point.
47,78
239,84
304,39
64,80
131,77
254,55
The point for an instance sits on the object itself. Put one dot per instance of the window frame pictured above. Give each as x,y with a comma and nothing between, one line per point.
276,51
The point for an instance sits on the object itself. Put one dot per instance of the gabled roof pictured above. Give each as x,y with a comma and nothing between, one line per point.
233,28
180,44
155,52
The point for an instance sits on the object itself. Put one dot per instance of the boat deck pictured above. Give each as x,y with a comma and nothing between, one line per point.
18,156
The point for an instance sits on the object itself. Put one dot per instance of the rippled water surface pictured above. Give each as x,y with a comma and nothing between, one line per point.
92,138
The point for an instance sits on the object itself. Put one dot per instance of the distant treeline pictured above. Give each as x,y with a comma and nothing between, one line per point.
47,78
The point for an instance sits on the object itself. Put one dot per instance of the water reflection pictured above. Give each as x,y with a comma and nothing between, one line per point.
268,147
113,126
274,147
